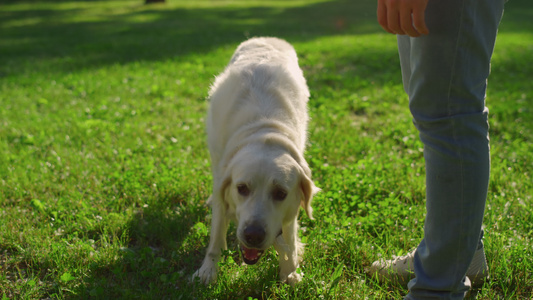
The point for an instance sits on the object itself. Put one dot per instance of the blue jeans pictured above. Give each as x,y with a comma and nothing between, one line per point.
445,75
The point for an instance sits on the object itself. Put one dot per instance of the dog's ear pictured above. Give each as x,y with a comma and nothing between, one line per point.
220,192
309,189
223,190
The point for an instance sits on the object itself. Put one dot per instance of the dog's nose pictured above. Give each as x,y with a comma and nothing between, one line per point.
254,235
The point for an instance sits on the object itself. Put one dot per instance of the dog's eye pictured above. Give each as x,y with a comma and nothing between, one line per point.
243,190
279,194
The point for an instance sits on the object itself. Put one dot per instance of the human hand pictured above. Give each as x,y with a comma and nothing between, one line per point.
403,16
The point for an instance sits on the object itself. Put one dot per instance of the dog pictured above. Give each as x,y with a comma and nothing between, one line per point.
257,127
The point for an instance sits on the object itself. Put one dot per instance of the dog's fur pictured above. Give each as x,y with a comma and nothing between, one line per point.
256,126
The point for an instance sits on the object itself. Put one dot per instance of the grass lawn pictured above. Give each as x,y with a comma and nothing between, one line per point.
104,169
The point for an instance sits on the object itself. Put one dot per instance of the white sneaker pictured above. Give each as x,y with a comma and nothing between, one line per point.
478,271
401,269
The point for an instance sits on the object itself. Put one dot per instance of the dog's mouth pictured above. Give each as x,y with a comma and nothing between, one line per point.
251,256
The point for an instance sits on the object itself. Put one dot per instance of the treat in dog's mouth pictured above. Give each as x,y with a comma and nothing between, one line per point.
251,256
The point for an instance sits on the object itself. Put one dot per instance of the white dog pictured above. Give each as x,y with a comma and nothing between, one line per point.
256,128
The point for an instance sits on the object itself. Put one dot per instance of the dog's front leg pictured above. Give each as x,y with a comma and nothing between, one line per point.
289,250
217,242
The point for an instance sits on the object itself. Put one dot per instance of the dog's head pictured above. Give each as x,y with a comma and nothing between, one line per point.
263,189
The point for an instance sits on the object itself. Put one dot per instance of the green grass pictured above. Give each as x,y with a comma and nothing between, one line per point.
104,170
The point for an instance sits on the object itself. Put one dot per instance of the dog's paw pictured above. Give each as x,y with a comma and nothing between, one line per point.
292,279
206,274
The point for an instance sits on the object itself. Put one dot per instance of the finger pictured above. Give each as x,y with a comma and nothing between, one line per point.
393,21
382,16
406,23
419,21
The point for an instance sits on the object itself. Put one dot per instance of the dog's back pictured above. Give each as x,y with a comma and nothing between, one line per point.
259,50
262,82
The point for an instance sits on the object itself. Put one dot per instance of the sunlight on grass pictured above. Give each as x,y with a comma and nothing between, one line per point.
104,171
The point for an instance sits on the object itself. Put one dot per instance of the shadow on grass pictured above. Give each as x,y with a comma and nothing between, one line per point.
161,252
77,38
165,248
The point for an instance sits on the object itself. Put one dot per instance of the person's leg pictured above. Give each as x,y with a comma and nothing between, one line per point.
445,75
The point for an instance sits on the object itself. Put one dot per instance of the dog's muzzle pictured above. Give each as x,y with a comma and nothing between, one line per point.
254,236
